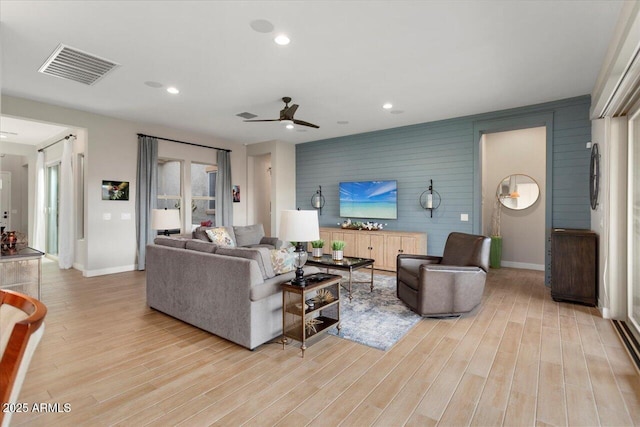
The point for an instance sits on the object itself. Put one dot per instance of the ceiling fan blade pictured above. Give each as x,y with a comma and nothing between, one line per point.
303,123
289,112
266,120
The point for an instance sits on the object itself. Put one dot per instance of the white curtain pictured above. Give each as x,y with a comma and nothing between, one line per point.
66,241
39,236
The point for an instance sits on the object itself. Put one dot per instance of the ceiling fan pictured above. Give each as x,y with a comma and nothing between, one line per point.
286,115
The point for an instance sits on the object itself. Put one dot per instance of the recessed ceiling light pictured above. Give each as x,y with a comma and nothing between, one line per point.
387,106
154,85
396,111
173,90
3,136
342,122
282,40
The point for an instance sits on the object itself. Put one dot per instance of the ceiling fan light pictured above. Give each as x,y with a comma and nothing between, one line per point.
289,126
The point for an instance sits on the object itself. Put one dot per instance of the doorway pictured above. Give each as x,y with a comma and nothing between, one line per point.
505,156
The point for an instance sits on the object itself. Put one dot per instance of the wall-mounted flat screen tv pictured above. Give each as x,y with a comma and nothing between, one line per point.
369,199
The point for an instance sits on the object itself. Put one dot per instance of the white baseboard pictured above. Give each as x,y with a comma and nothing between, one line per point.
524,265
104,271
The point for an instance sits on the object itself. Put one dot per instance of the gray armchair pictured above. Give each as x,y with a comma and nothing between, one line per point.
448,285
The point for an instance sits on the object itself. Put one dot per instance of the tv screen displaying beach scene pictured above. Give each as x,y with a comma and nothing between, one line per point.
369,199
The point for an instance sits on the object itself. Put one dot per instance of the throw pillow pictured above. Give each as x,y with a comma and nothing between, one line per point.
220,236
283,260
248,234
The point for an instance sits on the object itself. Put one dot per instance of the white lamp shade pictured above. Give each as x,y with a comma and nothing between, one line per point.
165,219
299,226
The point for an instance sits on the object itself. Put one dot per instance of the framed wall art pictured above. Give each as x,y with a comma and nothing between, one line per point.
115,190
235,193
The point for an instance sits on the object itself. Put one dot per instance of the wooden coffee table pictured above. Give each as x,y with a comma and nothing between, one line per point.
349,264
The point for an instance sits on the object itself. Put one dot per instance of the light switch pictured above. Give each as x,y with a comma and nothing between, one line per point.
464,217
106,216
125,216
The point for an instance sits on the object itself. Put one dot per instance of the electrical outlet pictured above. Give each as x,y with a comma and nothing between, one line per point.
106,216
464,217
125,216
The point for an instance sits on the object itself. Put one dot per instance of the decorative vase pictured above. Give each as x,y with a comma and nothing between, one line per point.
316,252
337,255
495,253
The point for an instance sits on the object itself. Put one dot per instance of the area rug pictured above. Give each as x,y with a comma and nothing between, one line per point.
377,319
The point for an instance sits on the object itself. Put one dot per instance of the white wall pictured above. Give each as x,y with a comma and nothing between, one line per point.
283,177
516,152
260,195
111,153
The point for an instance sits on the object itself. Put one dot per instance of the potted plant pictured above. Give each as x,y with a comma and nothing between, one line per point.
337,247
495,253
317,246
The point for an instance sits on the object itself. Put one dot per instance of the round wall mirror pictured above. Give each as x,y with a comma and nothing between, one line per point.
518,191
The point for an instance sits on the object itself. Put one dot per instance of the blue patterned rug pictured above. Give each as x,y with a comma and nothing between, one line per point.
377,319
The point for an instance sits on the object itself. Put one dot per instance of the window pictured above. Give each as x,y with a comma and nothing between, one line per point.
203,192
169,185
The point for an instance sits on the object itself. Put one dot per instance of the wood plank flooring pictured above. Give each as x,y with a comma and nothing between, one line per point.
522,359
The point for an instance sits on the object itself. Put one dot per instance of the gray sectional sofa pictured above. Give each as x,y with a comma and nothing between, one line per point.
231,292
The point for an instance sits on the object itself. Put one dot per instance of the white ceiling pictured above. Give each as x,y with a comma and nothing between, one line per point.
431,59
28,132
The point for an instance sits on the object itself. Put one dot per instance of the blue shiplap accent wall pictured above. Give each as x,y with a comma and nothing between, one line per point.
446,152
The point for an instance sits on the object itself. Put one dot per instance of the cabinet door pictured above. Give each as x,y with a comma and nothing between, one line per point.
377,249
393,248
409,245
363,245
349,238
326,236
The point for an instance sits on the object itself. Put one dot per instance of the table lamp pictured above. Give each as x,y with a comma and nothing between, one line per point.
299,227
165,219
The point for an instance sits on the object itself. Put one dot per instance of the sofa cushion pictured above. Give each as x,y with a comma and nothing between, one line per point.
282,260
260,255
171,242
248,234
220,236
200,246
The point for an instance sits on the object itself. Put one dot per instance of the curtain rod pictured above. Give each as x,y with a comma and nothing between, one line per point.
54,143
188,143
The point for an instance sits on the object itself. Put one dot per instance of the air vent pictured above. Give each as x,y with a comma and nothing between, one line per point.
246,115
72,64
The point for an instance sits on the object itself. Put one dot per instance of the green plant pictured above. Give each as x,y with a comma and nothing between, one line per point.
338,245
317,244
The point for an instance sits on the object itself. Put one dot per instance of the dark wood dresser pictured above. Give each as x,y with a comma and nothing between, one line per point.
574,266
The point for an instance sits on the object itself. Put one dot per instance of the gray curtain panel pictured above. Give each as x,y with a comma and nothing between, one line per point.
146,193
224,201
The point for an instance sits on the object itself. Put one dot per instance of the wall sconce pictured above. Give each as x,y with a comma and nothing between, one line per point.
317,200
430,199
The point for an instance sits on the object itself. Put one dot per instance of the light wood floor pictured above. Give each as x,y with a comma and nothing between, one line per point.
521,360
